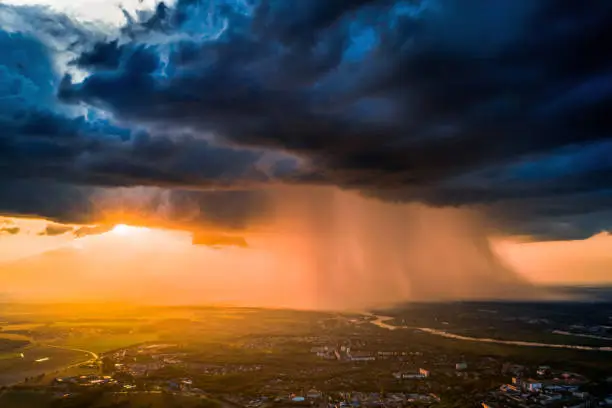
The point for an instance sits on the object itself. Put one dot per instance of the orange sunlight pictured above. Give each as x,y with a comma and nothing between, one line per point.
124,230
300,259
586,261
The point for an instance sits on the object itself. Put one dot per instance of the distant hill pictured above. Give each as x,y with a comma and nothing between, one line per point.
159,271
598,294
95,270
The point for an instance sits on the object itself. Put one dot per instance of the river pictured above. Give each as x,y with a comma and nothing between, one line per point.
380,321
42,359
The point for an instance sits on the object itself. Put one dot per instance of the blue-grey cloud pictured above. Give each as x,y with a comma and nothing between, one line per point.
501,105
10,230
54,156
92,230
55,229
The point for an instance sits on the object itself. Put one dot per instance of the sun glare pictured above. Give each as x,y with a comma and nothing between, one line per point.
122,229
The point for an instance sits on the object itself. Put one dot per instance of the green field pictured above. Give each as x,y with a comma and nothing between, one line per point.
34,399
19,326
160,400
591,363
24,399
249,352
15,369
12,336
105,342
77,328
11,347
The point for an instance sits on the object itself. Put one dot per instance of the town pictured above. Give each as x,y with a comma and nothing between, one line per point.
239,358
405,378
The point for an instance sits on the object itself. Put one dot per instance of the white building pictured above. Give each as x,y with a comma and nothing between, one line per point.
461,366
533,386
424,372
314,394
409,376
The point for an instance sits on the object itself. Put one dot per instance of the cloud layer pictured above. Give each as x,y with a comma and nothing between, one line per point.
497,105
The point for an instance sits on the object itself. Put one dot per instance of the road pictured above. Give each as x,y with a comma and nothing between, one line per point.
380,321
93,355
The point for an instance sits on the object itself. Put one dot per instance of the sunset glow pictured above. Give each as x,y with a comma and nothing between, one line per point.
174,152
127,230
334,264
322,203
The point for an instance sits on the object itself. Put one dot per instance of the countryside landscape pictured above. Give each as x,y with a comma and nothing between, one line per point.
66,355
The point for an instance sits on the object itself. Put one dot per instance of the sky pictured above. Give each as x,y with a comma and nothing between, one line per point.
100,11
378,150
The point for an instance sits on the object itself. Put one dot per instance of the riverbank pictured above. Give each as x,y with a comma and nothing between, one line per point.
39,360
381,321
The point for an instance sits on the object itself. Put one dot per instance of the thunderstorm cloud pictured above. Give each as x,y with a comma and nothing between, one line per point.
501,106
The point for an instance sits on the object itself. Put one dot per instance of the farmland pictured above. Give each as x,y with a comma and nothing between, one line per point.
54,338
34,399
64,336
203,356
14,368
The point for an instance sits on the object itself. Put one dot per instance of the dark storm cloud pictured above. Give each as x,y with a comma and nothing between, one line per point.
55,229
42,138
570,216
48,199
92,230
10,230
55,160
102,56
502,105
233,209
215,211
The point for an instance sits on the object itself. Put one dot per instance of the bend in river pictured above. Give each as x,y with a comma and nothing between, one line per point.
381,322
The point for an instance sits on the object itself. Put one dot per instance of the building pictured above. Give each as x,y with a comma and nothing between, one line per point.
314,394
425,373
461,366
515,369
532,386
510,388
361,356
185,384
410,375
388,354
543,370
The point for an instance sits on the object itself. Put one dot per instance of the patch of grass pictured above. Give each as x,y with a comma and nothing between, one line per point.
160,400
12,336
14,370
19,326
105,342
74,371
97,323
24,399
8,356
11,348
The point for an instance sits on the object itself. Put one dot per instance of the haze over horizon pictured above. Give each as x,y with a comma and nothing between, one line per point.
314,156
